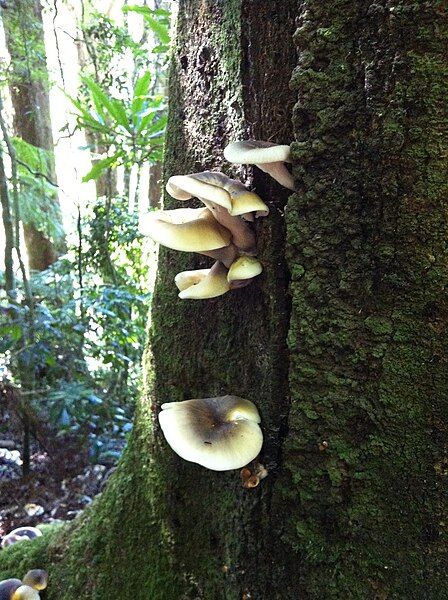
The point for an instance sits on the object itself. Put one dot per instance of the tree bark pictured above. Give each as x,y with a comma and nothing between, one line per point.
32,120
341,342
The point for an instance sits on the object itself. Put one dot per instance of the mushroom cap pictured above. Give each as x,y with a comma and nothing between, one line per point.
184,187
185,229
20,534
36,578
253,152
203,284
267,156
8,587
220,433
25,592
245,267
185,279
242,200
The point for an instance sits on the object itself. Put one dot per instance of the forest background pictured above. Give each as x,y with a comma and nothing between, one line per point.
82,115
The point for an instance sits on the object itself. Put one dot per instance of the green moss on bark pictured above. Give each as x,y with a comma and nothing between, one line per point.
368,374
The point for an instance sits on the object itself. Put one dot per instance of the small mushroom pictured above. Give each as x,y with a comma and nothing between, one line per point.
28,589
185,229
267,156
243,201
217,188
24,592
203,283
36,578
220,433
19,535
243,270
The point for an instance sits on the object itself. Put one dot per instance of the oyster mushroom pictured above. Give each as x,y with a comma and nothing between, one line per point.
185,229
217,188
203,283
220,433
243,270
267,156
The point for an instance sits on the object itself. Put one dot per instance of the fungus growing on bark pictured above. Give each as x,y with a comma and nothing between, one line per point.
14,589
243,270
253,474
267,156
216,187
219,231
36,578
203,283
185,229
19,535
220,433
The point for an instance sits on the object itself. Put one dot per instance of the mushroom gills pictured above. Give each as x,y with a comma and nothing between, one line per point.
218,433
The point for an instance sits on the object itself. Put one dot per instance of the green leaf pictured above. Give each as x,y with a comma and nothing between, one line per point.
141,91
100,166
159,26
114,107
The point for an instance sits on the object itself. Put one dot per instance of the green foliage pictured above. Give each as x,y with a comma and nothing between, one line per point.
133,130
37,192
158,20
124,115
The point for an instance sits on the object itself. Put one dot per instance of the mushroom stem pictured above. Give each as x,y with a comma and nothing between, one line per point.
242,235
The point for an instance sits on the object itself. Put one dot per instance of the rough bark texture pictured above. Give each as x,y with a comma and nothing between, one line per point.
348,368
32,120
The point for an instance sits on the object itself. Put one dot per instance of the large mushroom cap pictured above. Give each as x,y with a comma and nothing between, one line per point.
183,187
185,229
203,283
218,433
267,156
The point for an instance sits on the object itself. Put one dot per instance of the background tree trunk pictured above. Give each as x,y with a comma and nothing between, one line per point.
343,352
32,120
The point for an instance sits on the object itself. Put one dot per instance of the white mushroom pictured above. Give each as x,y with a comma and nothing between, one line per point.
243,270
203,283
267,156
185,229
218,433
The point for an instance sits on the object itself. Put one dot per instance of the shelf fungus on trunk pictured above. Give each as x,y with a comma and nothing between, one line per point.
220,433
28,589
221,230
267,156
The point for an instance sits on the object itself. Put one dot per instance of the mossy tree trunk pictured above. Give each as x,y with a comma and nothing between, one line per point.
340,342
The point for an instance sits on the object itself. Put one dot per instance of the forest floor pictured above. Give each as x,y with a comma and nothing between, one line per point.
61,482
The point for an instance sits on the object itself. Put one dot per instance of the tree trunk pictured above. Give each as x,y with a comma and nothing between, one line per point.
32,120
340,342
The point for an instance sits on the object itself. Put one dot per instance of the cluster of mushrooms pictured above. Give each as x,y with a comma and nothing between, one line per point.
34,581
221,229
221,433
26,589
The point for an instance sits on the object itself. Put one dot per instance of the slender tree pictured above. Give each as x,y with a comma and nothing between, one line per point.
340,342
28,83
